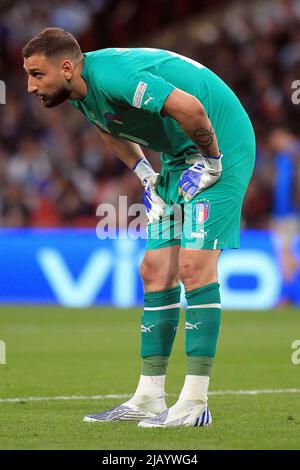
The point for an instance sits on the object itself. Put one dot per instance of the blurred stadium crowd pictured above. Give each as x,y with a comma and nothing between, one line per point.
54,169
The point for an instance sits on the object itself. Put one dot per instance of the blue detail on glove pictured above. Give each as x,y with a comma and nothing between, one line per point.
154,204
137,163
146,198
201,175
190,181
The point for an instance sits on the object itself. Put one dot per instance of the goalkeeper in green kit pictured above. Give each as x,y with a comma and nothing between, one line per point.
172,104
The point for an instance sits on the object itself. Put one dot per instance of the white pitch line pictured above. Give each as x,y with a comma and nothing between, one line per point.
106,397
61,398
255,392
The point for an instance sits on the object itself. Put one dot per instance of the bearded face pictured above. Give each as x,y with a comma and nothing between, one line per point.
48,80
58,96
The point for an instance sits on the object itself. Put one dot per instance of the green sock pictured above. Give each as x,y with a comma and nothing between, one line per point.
159,327
203,318
155,365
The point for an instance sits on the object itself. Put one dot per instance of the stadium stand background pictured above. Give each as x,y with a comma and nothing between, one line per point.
54,169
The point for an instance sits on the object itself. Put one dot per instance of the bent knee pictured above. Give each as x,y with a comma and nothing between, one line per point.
198,268
158,276
193,276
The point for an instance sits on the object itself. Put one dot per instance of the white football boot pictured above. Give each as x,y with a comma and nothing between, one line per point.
135,409
183,413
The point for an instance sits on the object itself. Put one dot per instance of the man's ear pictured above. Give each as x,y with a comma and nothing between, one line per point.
67,68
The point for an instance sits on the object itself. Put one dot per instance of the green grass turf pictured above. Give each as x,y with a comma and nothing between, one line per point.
56,351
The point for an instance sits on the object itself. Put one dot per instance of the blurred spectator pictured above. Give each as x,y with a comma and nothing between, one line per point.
15,210
285,219
29,167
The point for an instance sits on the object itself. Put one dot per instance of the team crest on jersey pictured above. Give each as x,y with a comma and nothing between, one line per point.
114,118
201,211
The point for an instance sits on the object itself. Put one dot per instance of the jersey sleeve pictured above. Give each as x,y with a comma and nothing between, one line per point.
143,90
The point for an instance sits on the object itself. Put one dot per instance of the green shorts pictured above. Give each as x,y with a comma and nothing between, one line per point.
210,221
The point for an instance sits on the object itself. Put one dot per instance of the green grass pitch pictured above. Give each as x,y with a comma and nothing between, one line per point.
57,352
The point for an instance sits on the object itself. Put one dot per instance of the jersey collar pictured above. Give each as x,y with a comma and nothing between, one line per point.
84,75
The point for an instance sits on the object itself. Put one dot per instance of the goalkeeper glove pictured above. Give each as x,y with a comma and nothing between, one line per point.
154,205
204,173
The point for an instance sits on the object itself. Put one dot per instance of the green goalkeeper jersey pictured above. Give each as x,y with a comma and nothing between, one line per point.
126,90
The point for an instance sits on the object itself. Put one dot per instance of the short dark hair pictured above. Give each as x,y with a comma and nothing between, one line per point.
52,42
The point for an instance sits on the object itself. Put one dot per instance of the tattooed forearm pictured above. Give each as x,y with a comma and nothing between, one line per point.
197,125
203,138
